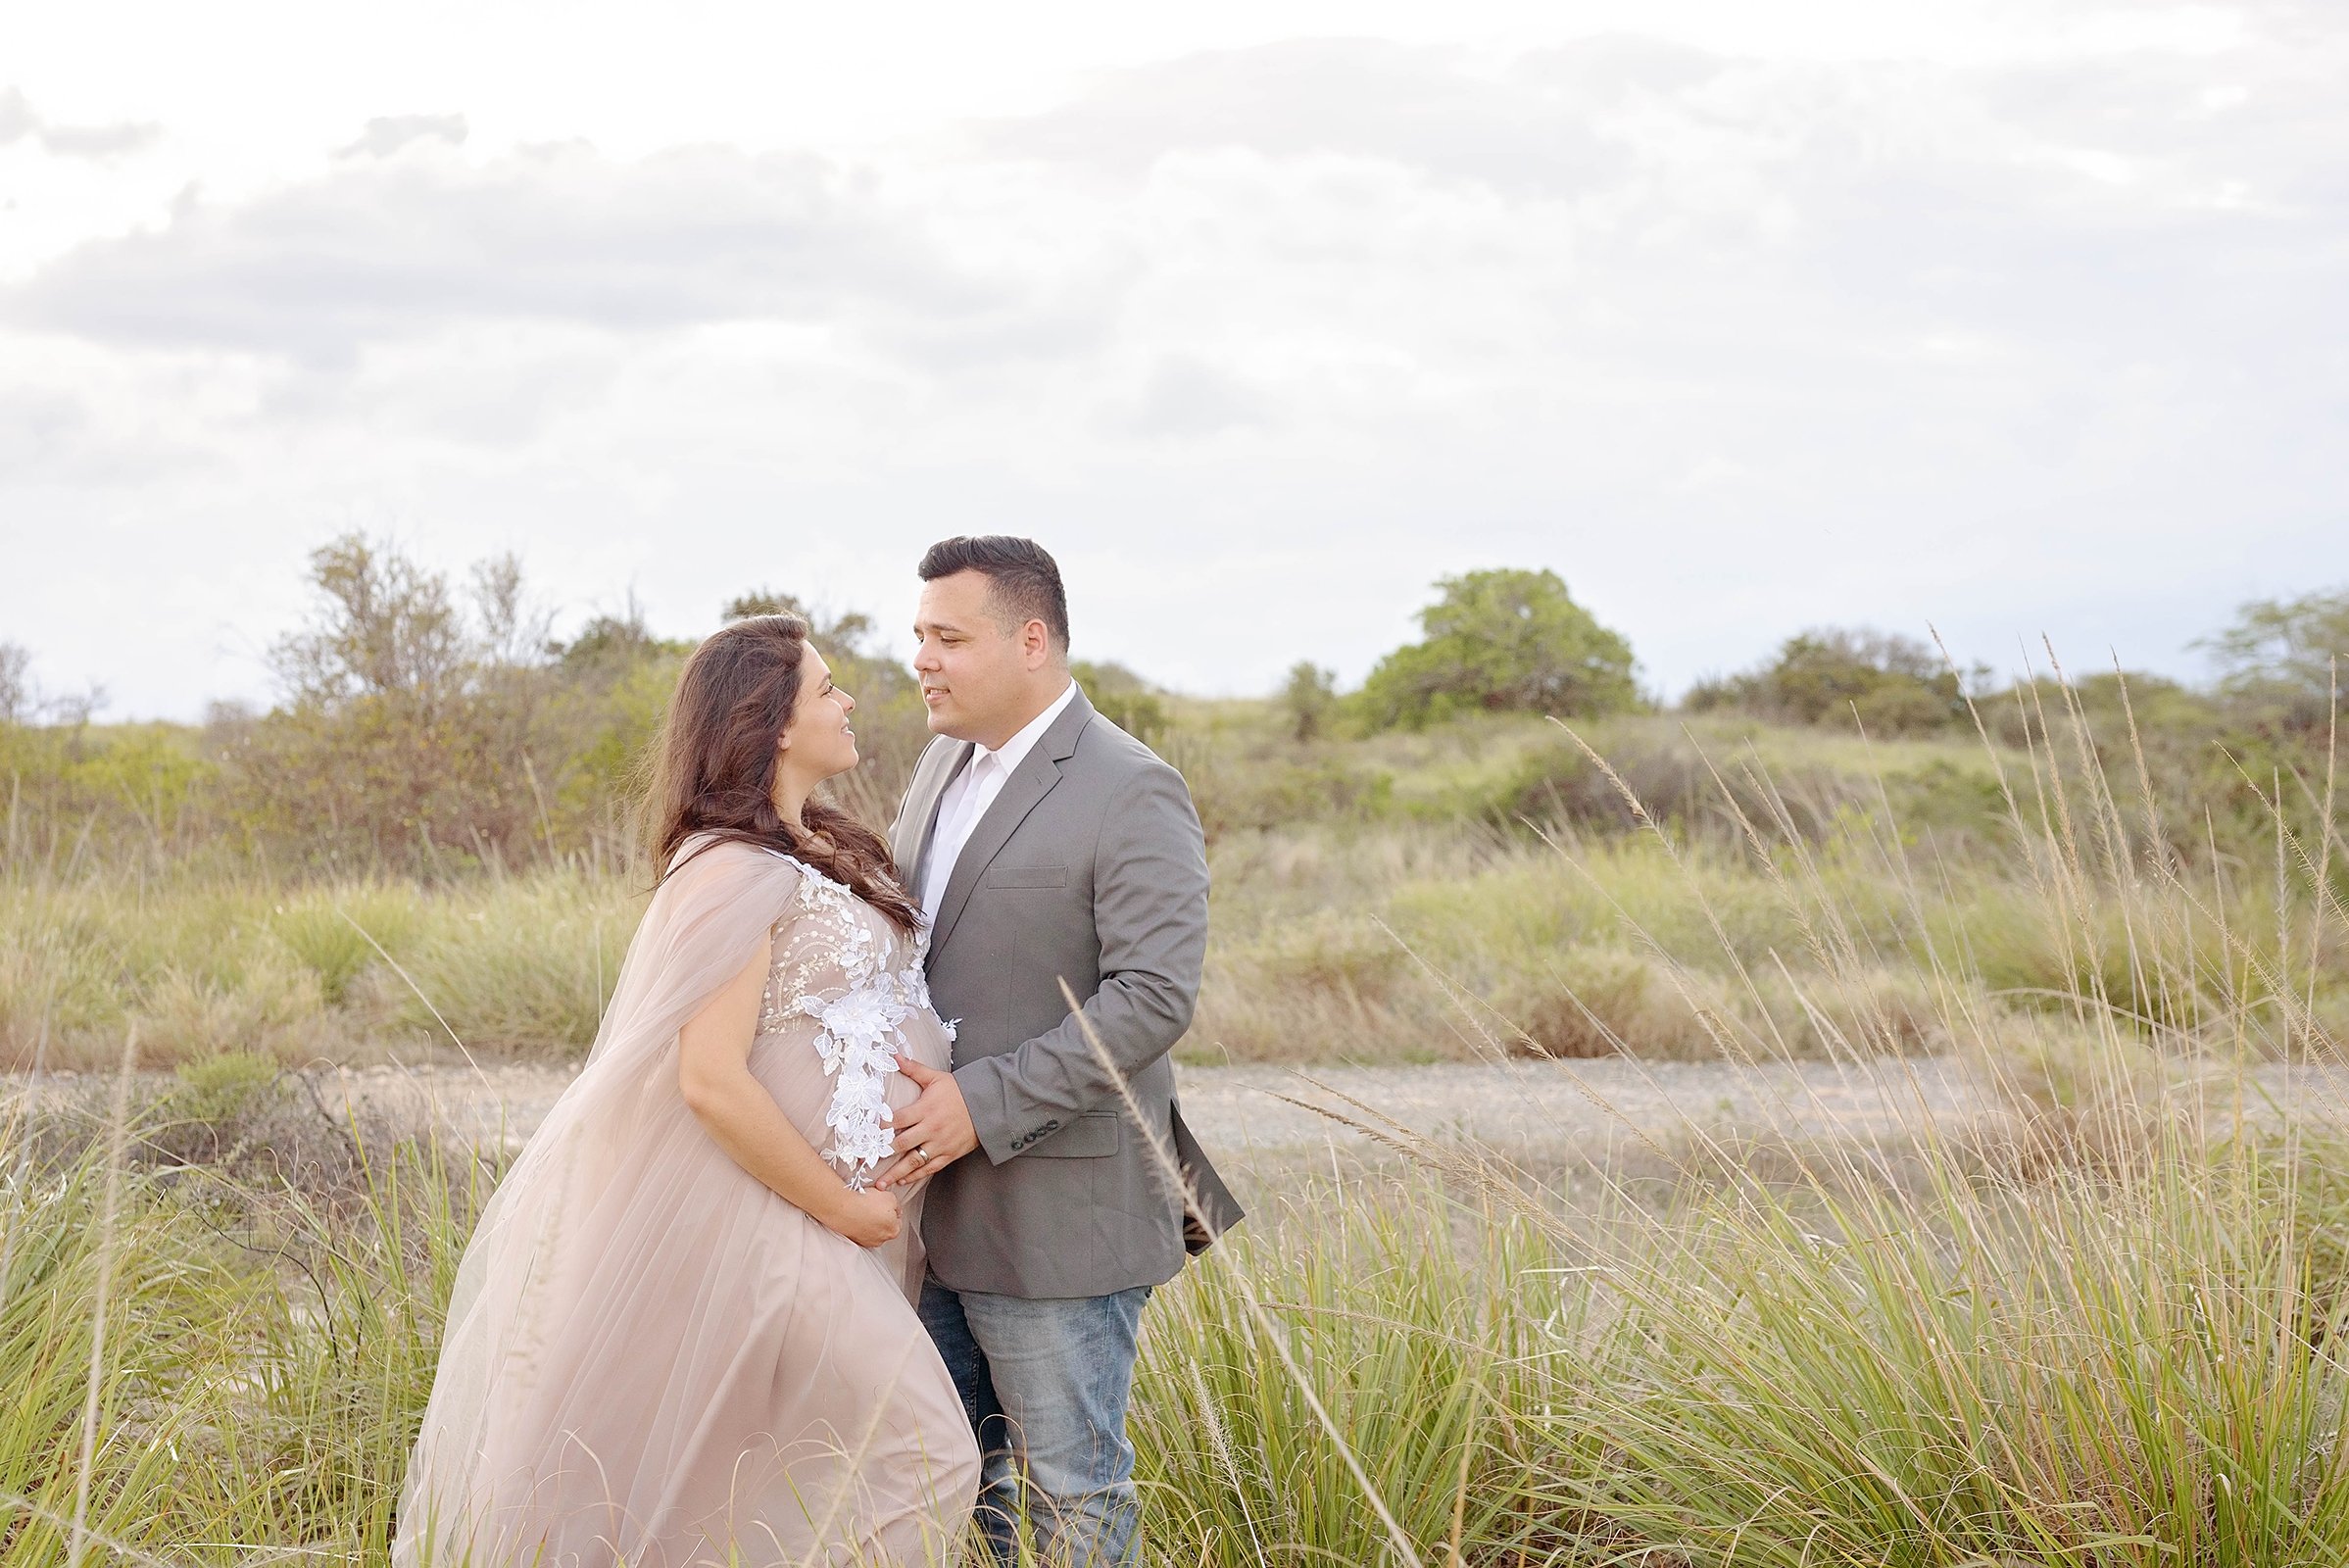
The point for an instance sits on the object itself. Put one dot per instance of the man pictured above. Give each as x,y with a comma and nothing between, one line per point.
1045,844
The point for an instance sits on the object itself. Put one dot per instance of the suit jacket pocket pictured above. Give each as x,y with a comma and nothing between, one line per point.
1027,876
1088,1136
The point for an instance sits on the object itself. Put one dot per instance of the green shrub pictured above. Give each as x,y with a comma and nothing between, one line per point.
264,1010
215,1089
334,930
1885,683
519,968
1501,640
1124,698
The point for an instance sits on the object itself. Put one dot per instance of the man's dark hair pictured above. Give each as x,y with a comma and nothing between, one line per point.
1023,581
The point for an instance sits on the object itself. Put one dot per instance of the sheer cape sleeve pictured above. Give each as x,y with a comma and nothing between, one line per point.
709,917
619,1149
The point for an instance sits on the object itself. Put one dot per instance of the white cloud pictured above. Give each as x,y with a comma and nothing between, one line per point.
386,134
420,239
1426,108
19,122
1183,396
1263,340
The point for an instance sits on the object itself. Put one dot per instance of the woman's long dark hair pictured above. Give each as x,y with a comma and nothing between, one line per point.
715,766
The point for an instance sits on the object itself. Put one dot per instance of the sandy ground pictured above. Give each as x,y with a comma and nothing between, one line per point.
1543,1112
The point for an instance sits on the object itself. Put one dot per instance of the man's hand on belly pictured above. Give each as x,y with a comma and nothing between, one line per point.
934,1131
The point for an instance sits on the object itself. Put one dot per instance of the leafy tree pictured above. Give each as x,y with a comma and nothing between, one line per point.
849,641
23,703
16,684
2281,654
1123,698
849,632
412,716
763,602
1896,685
612,643
2111,702
382,626
512,626
1309,699
1502,639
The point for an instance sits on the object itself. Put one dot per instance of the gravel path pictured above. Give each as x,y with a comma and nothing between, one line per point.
1544,1110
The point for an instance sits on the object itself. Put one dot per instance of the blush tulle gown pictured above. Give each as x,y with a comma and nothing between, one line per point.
651,1358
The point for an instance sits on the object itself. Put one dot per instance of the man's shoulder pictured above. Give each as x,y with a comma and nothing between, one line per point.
1112,756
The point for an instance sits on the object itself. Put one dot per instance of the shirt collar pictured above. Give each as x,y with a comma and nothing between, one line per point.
1015,750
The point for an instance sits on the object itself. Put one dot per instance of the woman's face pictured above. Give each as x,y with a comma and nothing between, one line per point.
819,742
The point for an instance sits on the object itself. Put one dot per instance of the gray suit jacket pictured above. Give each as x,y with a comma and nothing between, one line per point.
1089,865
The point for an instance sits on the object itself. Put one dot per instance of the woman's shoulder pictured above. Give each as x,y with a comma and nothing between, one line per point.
703,856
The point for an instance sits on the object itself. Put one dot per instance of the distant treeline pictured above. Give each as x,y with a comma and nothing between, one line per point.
1507,640
428,726
425,726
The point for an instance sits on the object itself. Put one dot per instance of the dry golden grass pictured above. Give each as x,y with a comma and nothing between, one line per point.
2100,1330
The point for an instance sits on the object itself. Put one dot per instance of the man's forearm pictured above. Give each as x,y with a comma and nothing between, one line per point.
1059,1075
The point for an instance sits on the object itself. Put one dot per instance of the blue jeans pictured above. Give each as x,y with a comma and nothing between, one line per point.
1045,1384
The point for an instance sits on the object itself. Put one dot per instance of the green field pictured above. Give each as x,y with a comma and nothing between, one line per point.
2099,1327
2104,1335
1475,887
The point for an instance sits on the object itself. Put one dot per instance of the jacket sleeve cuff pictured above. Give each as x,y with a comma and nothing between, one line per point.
983,1097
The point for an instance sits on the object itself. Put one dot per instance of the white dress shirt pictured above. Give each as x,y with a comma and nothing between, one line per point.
965,799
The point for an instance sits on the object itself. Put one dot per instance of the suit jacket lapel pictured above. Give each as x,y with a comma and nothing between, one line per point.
1034,779
918,823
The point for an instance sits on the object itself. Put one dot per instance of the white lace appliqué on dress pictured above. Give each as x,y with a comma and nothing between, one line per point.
862,1021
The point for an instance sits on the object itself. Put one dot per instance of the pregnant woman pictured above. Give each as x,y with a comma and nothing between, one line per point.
684,1331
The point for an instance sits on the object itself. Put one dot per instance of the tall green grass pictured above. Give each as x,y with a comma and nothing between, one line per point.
2101,1327
265,1360
355,972
2108,1369
1940,869
2128,1365
1308,960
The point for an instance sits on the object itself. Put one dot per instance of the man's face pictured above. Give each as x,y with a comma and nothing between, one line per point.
975,677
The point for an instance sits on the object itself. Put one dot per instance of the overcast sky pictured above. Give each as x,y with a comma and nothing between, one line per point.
2012,317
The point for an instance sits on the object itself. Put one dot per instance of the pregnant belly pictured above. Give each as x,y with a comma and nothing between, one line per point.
792,1070
926,1040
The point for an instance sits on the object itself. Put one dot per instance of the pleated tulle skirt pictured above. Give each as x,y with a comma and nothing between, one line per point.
696,1371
